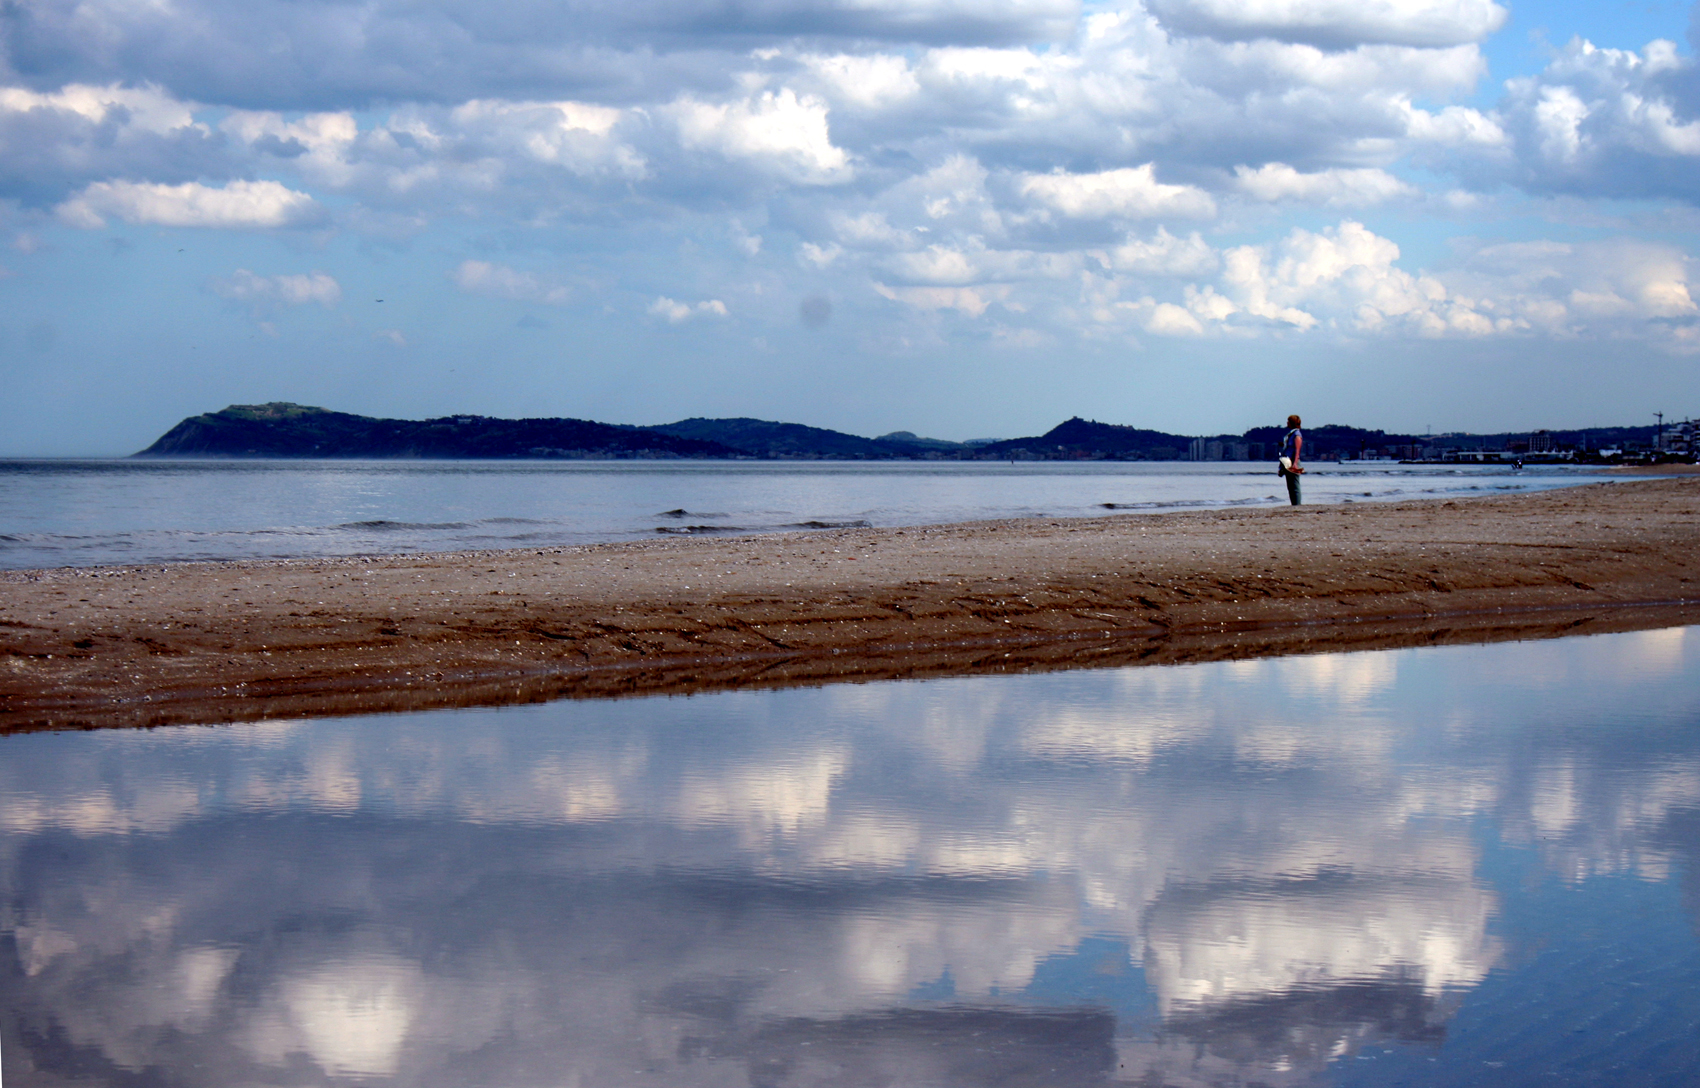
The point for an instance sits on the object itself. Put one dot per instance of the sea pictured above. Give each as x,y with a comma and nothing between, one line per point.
57,513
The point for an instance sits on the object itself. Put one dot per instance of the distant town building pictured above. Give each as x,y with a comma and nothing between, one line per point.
1678,438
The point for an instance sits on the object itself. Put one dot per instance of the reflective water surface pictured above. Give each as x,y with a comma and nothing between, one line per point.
1471,865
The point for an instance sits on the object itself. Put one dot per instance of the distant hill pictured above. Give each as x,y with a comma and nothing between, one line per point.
787,440
294,430
910,438
1086,438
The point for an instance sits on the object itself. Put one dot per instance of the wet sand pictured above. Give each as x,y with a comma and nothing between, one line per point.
234,641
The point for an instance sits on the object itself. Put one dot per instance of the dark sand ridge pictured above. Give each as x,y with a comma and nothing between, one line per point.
231,641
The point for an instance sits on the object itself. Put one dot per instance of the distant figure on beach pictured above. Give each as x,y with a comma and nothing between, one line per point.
1292,447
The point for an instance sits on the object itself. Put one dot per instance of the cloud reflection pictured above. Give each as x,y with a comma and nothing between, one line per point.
1283,858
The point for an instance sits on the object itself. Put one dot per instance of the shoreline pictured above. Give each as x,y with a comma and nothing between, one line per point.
229,641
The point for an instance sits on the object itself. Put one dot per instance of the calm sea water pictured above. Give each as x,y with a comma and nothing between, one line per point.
84,513
1453,866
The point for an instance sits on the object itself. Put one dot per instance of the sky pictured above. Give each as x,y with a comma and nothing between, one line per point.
963,218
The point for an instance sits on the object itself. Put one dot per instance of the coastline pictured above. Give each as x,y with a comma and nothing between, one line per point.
215,642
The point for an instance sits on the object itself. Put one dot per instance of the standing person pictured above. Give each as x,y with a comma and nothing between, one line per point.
1292,448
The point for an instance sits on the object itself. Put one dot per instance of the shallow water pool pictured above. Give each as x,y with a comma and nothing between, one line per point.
1451,866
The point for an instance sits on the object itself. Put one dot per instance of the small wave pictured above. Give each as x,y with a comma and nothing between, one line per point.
688,530
506,537
1173,504
681,512
385,526
511,521
813,524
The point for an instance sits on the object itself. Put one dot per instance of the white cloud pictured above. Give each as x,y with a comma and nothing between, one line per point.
1609,287
312,133
1164,254
957,171
1335,187
1346,280
673,311
1608,122
1167,319
146,108
238,204
1455,126
869,229
391,336
950,195
1128,193
1347,270
937,264
748,244
1337,23
971,301
818,256
485,278
305,54
778,129
872,82
1558,118
245,286
576,135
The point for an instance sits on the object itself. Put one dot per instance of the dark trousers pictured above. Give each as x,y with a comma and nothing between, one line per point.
1292,479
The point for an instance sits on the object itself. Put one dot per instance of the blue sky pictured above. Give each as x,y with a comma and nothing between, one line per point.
961,219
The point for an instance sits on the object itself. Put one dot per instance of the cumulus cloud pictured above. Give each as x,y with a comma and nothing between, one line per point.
455,50
1608,122
53,143
1164,254
575,135
1128,193
817,256
1346,270
1613,287
673,311
1347,280
1335,187
485,278
318,145
775,129
1336,24
938,264
971,301
869,229
1343,279
240,204
1168,319
875,82
145,108
954,155
244,286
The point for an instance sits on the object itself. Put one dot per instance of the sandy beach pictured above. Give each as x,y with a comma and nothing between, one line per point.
234,641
